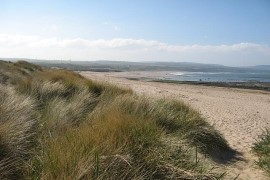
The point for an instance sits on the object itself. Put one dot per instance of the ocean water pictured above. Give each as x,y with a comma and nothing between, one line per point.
220,76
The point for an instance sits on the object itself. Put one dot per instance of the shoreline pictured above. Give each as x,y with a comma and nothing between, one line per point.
242,85
263,86
164,77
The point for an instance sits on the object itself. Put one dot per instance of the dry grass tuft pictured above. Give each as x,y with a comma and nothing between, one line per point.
17,131
262,150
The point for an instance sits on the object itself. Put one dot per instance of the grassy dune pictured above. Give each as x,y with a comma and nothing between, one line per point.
55,124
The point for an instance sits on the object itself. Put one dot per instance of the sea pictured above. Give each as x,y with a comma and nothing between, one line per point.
220,76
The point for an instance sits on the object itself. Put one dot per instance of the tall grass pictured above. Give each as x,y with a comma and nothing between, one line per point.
17,131
262,149
55,124
177,118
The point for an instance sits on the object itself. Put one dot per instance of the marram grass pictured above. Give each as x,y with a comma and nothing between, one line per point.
55,124
262,150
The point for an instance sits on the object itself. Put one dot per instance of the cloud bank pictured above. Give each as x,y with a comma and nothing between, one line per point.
240,54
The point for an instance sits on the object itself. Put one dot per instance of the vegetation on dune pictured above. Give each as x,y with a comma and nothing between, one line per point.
55,124
17,131
262,149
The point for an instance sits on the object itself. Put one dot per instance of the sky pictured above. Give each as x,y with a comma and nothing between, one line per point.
231,32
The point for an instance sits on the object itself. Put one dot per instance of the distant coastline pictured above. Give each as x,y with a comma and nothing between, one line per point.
243,85
246,76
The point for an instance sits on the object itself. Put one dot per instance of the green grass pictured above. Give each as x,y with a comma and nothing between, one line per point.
262,149
55,124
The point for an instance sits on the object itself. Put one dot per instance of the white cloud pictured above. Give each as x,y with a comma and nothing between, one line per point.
131,49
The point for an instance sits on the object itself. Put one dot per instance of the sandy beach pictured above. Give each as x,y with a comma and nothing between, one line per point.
241,115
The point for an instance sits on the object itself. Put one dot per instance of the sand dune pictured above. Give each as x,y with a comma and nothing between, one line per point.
240,115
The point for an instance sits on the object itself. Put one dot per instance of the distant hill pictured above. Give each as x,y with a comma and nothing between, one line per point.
118,66
262,67
135,66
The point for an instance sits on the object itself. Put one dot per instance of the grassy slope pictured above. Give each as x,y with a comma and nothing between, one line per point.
55,124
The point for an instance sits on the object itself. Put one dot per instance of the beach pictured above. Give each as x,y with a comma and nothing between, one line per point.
241,115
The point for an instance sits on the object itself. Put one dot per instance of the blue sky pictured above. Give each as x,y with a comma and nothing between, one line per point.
231,32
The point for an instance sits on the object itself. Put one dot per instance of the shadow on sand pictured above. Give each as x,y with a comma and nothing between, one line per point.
227,157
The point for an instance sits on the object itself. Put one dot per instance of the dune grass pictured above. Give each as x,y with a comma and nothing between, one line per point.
262,149
17,131
55,124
